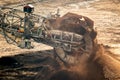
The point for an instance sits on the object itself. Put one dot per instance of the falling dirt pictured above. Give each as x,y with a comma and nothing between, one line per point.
102,64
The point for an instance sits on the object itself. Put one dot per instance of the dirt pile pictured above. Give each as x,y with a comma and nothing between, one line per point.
32,64
98,66
88,68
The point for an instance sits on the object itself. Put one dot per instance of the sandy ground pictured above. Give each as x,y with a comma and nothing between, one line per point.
106,21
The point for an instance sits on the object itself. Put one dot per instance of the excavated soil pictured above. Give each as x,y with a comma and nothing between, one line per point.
102,64
26,66
42,65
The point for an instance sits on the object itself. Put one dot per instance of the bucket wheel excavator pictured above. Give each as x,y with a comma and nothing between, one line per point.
22,27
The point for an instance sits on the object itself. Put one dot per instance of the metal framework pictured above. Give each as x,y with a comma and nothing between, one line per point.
19,28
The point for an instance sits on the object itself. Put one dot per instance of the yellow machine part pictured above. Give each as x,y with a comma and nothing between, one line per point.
21,30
